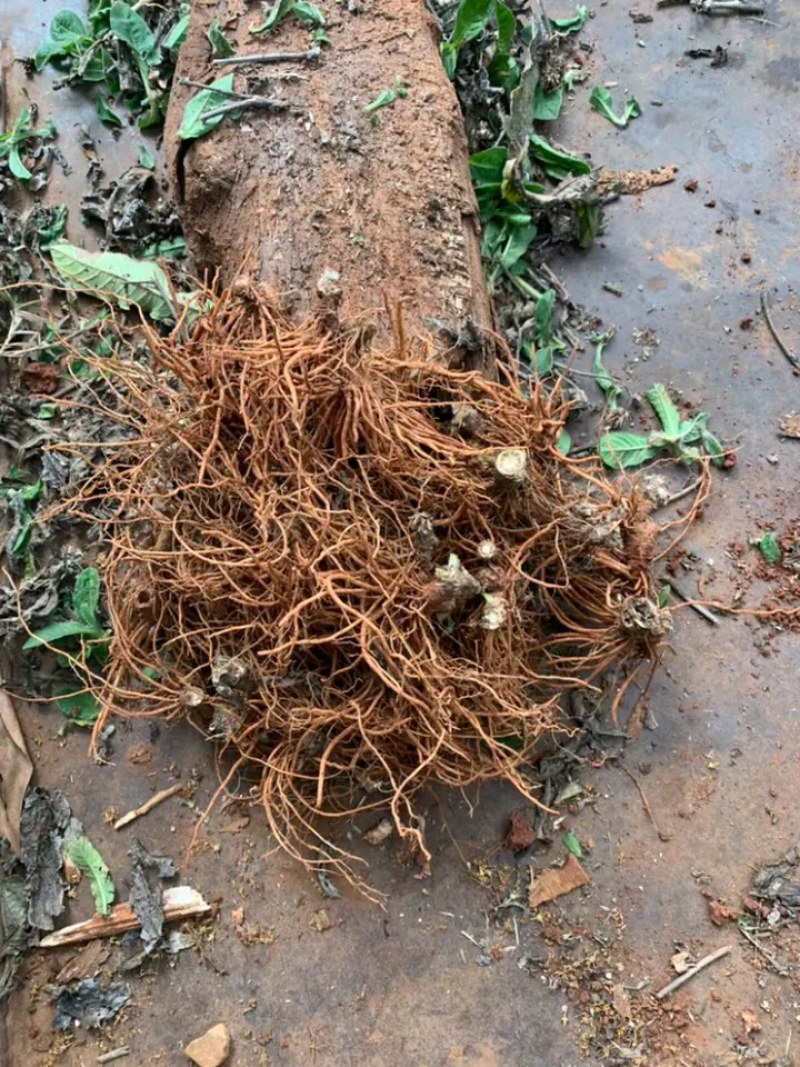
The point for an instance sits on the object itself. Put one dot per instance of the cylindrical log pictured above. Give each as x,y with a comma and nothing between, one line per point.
326,201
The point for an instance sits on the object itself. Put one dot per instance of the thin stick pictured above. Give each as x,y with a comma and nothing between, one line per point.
781,970
662,834
728,7
267,57
262,102
221,92
698,967
690,488
179,902
148,805
114,1054
795,362
709,616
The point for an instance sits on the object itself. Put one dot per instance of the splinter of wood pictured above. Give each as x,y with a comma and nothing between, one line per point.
148,805
267,57
712,957
179,902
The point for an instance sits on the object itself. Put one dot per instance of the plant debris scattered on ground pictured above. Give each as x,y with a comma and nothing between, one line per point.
126,51
87,1003
512,71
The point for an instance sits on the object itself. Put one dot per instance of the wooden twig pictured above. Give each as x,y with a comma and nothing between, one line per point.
148,805
681,493
179,902
727,7
662,834
267,57
220,92
779,968
795,362
676,983
114,1054
709,616
265,103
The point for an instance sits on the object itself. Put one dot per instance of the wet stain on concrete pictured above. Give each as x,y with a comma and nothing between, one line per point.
783,73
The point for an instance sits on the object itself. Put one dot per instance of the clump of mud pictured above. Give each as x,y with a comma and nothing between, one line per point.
357,568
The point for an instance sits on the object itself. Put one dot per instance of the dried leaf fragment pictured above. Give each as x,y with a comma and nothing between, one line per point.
557,882
680,962
379,832
750,1020
790,425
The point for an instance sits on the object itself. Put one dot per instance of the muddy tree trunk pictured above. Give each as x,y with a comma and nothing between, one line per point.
378,204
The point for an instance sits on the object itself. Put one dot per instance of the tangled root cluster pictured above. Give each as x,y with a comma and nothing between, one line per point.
357,568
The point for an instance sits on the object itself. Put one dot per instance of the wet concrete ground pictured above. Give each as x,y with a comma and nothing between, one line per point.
719,764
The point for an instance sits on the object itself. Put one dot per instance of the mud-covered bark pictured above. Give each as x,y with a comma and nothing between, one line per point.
381,199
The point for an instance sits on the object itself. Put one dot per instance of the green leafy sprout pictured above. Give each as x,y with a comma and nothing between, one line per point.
620,449
128,48
17,141
601,101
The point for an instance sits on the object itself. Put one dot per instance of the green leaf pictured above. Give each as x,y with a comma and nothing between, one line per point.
67,35
668,414
388,96
571,24
383,99
96,66
16,166
308,14
46,411
86,597
543,317
620,449
85,856
51,228
663,595
768,546
547,106
57,631
518,243
146,159
193,125
515,743
543,360
66,27
128,281
220,45
177,35
503,71
564,442
80,708
487,166
129,27
589,218
31,493
601,101
605,382
557,164
572,844
98,16
273,14
169,248
104,112
713,447
471,19
449,54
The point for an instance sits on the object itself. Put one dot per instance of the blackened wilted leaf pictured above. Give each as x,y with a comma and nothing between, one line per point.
45,819
88,1003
